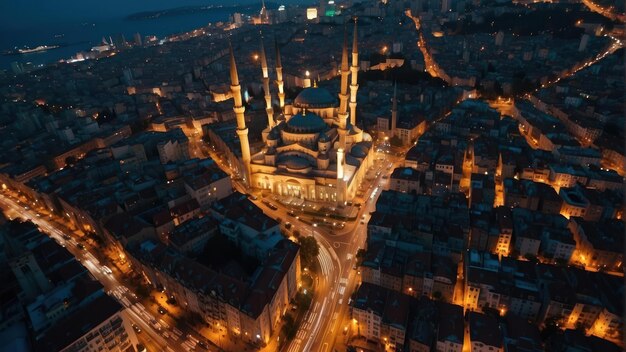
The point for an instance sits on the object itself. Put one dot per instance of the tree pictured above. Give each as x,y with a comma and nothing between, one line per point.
142,290
560,262
395,141
289,327
360,255
551,326
531,257
309,249
437,296
70,160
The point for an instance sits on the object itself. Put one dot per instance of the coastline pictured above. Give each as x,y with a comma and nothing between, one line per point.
81,36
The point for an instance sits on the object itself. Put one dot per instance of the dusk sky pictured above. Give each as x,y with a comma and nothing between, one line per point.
18,15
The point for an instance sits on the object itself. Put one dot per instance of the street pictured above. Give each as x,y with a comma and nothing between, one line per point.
157,334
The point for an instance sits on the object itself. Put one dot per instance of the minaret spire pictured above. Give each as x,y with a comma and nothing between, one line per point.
266,87
345,71
263,15
234,76
354,70
394,109
239,109
279,76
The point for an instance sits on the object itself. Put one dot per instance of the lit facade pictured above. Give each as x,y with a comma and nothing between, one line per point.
313,150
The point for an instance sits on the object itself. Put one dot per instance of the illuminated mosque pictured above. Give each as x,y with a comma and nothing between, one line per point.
312,149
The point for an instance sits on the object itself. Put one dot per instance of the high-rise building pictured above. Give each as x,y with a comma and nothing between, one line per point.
499,38
584,40
138,40
17,67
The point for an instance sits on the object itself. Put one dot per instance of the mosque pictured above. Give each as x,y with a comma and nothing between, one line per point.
312,149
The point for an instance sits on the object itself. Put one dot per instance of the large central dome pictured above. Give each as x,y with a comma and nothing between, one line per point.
306,123
315,98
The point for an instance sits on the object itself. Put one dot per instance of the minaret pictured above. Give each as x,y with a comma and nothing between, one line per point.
343,94
394,110
263,15
239,109
266,87
279,77
354,70
343,122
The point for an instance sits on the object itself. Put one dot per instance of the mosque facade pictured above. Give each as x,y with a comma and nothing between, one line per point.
312,149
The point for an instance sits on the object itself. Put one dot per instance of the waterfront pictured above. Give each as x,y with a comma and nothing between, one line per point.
84,35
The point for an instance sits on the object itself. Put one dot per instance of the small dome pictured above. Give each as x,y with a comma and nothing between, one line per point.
274,134
309,123
359,151
316,98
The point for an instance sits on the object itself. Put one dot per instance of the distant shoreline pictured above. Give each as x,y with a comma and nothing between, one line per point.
184,10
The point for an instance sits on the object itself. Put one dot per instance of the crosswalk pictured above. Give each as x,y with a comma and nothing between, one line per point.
306,326
325,261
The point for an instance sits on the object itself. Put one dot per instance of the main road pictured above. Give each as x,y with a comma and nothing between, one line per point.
156,333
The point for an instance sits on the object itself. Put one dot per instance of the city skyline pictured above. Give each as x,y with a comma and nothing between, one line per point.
430,175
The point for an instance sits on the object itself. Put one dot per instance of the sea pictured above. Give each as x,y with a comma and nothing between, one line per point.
78,25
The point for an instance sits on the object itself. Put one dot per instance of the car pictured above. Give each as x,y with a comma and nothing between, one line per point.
294,307
252,197
287,225
136,328
203,345
162,310
81,246
66,237
291,213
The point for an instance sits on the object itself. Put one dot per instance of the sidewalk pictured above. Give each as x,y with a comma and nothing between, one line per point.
362,345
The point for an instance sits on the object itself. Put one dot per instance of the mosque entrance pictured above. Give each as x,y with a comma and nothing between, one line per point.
294,189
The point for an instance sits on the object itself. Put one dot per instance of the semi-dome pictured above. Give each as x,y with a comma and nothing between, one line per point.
315,98
305,123
296,163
